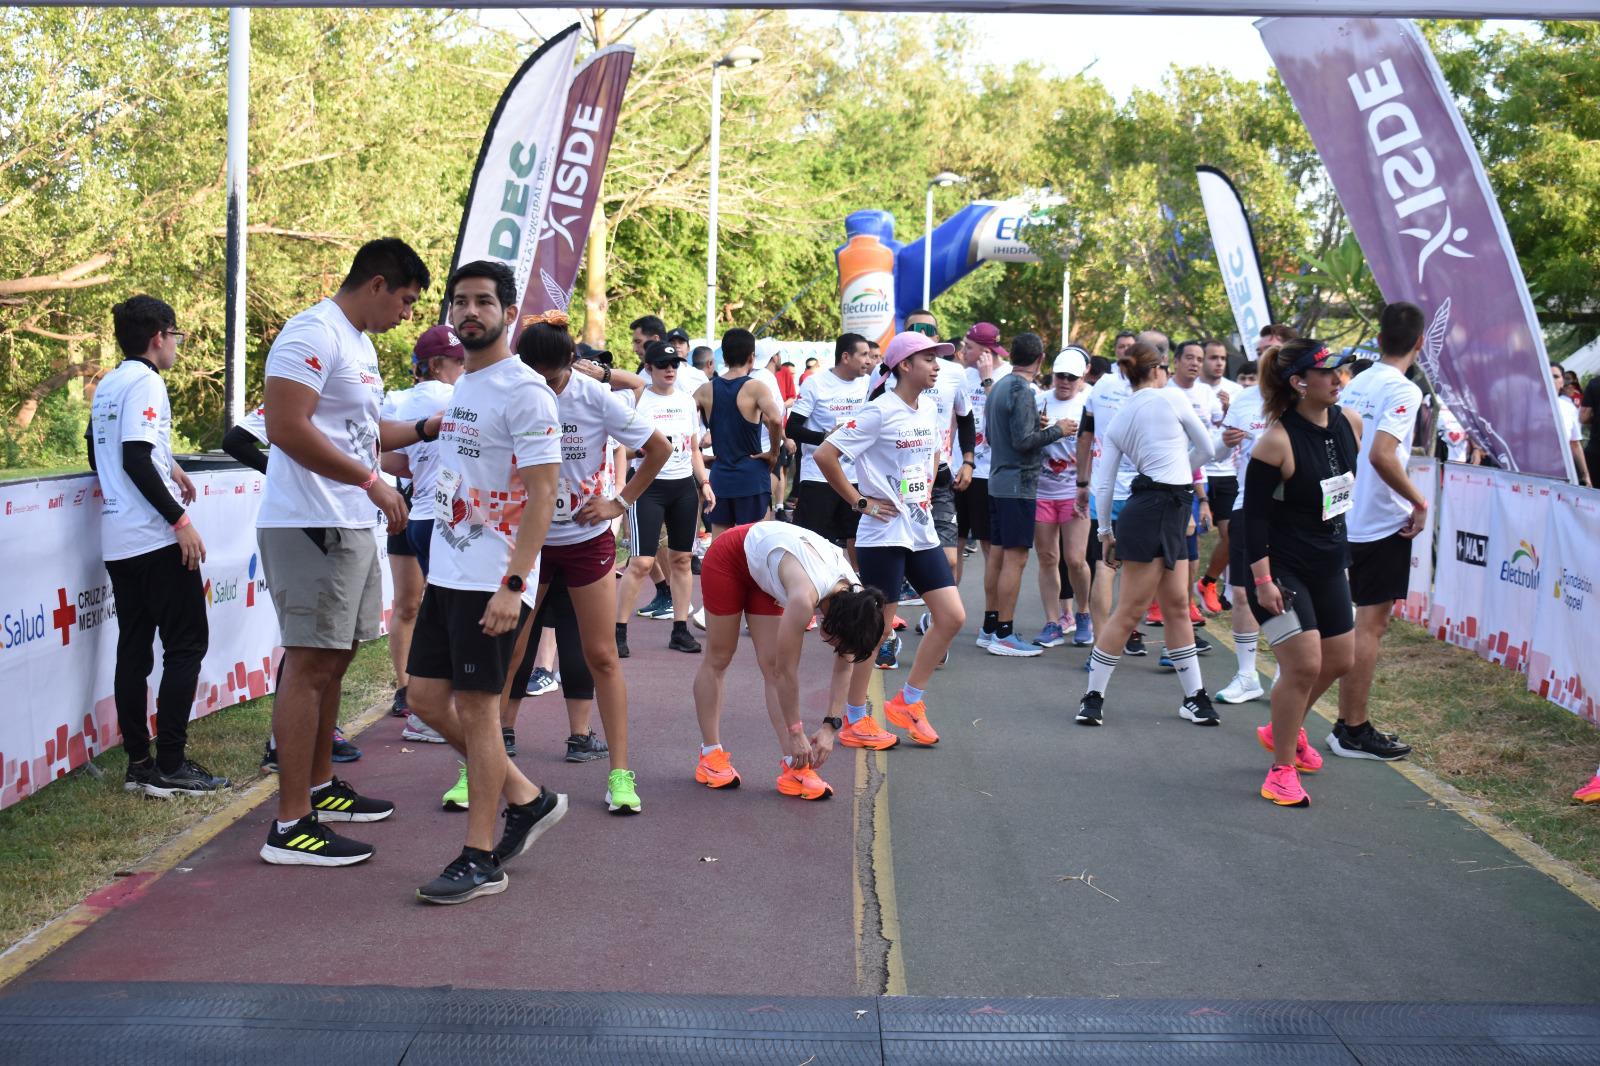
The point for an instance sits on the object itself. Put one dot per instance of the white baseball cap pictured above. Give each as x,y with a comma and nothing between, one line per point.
1073,360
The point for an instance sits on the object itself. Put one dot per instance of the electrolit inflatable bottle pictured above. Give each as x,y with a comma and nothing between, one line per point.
866,288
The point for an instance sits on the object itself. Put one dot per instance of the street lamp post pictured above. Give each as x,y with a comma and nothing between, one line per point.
736,59
943,180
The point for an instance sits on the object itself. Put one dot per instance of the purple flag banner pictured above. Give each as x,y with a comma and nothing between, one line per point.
593,103
1412,184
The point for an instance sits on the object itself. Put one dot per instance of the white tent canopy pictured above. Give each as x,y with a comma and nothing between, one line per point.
1585,360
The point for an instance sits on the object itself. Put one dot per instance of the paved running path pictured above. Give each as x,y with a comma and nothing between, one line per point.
1372,893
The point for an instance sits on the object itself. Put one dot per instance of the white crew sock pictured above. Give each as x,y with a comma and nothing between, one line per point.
1244,646
1100,667
1186,660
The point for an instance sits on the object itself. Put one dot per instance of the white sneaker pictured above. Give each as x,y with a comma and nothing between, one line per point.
698,617
417,729
1242,689
924,623
984,639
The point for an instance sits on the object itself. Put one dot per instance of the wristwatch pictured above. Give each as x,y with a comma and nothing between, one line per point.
514,583
837,723
861,504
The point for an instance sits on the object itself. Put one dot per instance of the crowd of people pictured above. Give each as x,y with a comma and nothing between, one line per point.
821,504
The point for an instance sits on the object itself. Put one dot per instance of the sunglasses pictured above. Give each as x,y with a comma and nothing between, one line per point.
1067,377
927,329
670,364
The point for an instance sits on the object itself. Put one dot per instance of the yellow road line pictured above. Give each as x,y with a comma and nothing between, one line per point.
1561,872
883,864
63,927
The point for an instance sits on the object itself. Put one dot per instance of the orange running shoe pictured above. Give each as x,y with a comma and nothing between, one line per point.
811,626
1195,617
803,783
1207,591
913,718
1152,617
716,771
899,623
1307,759
1589,793
867,733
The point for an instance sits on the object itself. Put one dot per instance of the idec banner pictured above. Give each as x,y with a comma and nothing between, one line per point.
58,621
1563,666
1424,475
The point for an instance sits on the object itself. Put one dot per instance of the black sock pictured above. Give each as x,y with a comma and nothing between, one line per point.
663,589
1002,630
679,627
991,619
478,855
622,631
508,732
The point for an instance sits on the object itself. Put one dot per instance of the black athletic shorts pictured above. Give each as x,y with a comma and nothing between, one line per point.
1011,521
822,511
1222,492
675,503
449,643
399,545
1238,566
1380,570
1321,600
1151,524
972,511
890,569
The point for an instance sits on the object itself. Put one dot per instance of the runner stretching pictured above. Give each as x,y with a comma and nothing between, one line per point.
777,576
894,441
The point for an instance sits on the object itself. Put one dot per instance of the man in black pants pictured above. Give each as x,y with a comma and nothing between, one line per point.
151,550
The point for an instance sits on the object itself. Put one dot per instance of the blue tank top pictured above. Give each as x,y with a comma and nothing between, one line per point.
734,440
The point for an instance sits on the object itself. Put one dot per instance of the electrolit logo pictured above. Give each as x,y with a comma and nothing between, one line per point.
1523,567
866,305
870,302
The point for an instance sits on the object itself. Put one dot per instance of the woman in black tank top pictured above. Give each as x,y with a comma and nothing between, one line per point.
1297,490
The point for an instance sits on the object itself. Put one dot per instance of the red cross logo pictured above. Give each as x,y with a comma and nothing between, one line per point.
314,363
1400,410
149,414
64,617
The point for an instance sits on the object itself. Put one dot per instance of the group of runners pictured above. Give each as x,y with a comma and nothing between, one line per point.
523,454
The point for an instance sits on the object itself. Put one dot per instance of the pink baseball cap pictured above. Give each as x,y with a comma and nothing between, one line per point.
436,341
985,333
902,347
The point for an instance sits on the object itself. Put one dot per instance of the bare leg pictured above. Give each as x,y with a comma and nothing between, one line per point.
310,679
1219,551
1139,582
993,561
486,764
722,640
435,706
681,577
1371,622
1299,665
594,605
639,567
1047,546
408,588
948,617
1075,543
1008,584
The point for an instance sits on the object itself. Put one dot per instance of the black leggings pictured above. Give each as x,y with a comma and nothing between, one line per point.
556,612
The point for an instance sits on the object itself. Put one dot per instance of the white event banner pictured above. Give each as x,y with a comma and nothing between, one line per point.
1563,666
58,621
1424,474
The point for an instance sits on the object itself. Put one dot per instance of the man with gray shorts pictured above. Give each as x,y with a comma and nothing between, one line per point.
316,534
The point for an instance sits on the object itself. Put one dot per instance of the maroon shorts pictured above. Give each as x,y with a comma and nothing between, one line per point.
726,586
579,564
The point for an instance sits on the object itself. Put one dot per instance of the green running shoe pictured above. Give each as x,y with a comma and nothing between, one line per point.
620,795
456,798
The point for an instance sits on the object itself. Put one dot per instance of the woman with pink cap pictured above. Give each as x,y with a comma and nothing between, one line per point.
894,441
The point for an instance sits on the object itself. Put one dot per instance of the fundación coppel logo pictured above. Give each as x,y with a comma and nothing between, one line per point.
1571,587
1523,567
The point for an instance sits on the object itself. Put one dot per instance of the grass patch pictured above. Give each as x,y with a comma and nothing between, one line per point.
1476,725
28,473
70,838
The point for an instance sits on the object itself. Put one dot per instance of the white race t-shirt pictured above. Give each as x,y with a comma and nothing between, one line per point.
1454,436
320,349
1571,428
1246,415
424,400
590,414
1208,409
978,400
676,417
1223,387
500,419
130,404
770,380
255,423
951,395
1386,402
896,449
1105,400
768,542
1058,470
1158,432
825,400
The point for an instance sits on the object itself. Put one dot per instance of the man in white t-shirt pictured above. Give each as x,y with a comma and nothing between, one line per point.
317,539
152,552
828,399
493,494
1571,428
1387,512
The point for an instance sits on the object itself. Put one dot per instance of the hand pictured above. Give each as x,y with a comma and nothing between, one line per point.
770,458
1416,523
1081,501
708,496
799,748
185,486
1270,597
505,607
882,510
1232,437
1226,399
1067,426
391,503
192,547
598,509
1205,515
589,369
1108,552
986,363
963,478
821,745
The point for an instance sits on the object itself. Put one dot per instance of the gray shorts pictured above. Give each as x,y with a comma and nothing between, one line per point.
944,508
325,583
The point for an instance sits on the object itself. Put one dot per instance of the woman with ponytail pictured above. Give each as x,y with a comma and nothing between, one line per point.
1297,489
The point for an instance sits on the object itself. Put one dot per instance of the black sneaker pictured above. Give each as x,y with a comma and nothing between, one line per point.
510,738
586,747
1091,708
269,758
190,779
142,777
343,750
1365,742
622,647
310,843
1198,709
526,822
474,873
694,565
682,641
399,708
341,803
1201,645
1135,645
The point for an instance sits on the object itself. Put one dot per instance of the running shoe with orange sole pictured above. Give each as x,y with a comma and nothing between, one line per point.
1307,759
1195,617
913,718
1152,617
867,733
1207,592
1282,787
716,771
1589,793
803,783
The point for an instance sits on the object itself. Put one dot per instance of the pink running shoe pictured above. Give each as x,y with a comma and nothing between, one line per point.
1282,787
1589,793
1307,759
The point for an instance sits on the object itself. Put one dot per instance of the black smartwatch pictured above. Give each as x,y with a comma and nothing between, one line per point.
514,583
836,723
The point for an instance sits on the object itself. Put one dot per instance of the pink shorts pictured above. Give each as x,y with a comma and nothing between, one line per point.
1055,512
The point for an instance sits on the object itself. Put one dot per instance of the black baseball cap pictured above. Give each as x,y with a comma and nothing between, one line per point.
678,335
662,353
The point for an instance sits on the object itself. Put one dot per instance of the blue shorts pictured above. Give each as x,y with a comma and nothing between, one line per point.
1011,522
888,569
1192,541
740,510
419,534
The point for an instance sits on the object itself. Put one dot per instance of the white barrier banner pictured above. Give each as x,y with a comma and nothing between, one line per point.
1457,609
58,621
1424,474
1563,667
